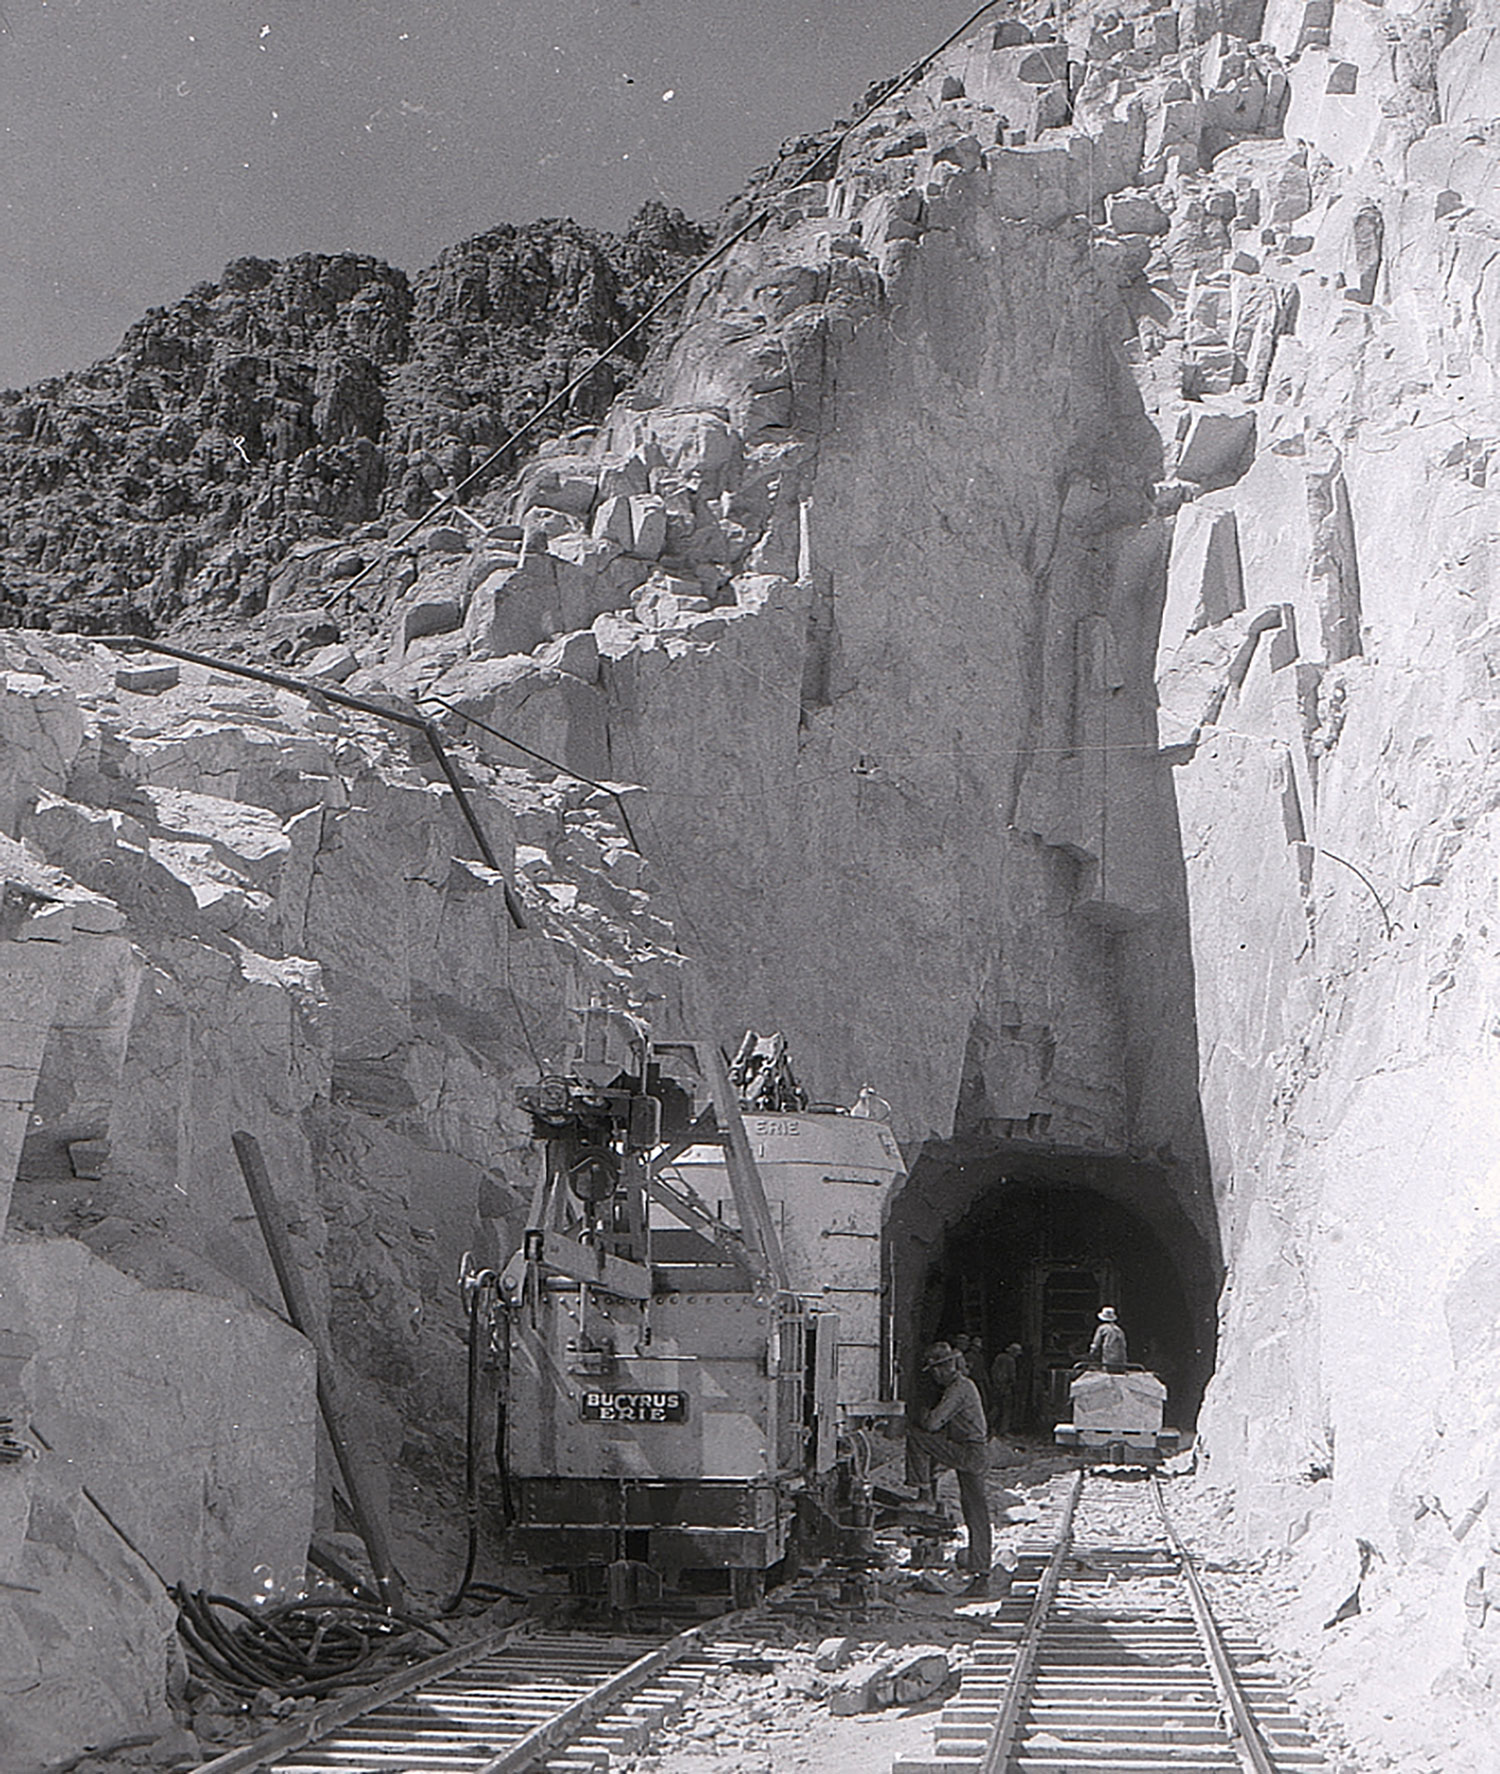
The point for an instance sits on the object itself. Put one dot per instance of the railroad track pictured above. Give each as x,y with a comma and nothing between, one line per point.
1107,1660
553,1702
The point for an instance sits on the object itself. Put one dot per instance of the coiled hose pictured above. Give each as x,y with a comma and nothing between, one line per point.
296,1649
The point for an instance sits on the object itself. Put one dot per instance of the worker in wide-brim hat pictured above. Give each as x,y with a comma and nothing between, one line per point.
953,1434
1108,1346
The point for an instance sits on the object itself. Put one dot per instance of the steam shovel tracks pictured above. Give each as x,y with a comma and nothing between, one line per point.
534,1700
1105,1659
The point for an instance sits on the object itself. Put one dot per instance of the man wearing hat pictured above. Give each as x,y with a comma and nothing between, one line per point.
955,1435
1108,1346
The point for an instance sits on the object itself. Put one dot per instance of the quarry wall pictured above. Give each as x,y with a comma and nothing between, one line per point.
1033,627
250,916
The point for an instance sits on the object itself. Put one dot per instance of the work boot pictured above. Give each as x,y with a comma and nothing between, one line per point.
978,1584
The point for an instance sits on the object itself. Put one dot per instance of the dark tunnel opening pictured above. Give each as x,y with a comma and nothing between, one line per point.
1007,1250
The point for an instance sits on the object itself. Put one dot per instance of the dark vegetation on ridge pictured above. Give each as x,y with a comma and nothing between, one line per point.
304,399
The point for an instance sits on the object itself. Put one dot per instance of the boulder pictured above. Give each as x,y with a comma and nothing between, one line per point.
561,483
514,609
1133,212
148,680
336,663
612,521
1217,448
1204,579
424,614
635,522
696,445
898,1677
443,539
130,1386
576,653
541,524
1043,64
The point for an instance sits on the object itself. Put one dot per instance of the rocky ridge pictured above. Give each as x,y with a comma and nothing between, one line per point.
309,398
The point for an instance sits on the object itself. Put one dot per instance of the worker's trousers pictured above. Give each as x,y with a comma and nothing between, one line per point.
968,1459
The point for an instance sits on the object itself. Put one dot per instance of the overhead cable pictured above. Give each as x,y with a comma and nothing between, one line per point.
885,92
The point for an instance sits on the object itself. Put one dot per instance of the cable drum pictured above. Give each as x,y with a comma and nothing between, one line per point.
300,1648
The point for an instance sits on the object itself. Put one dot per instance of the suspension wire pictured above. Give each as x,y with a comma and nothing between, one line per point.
885,92
1390,928
541,758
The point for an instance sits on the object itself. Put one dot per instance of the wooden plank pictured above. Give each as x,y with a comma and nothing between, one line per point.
362,1490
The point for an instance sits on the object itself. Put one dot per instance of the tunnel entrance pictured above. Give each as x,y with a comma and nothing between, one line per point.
1007,1252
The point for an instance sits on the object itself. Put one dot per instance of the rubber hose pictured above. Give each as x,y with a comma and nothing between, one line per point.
471,1449
300,1648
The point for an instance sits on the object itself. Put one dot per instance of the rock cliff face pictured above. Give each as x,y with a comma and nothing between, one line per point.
1043,593
250,916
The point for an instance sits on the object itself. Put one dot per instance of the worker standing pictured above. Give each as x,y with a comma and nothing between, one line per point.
1004,1383
955,1435
978,1365
1108,1346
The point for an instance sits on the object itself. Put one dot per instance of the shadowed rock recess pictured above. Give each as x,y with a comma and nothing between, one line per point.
1036,611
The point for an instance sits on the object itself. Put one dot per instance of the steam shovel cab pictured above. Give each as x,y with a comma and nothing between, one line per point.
677,1365
1117,1419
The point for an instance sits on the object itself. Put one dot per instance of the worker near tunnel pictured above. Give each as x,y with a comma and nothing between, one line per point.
1108,1346
1005,1381
954,1435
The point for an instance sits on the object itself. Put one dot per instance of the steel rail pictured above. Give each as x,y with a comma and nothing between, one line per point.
572,1720
1250,1742
568,1723
349,1707
997,1751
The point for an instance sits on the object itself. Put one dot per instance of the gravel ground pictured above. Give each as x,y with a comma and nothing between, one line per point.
778,1722
767,1712
1355,1679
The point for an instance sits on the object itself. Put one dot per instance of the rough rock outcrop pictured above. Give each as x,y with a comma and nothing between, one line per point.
1052,588
299,400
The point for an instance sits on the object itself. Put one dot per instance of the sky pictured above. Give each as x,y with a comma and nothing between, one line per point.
145,143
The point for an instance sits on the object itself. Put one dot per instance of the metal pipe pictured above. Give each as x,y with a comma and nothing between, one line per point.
342,699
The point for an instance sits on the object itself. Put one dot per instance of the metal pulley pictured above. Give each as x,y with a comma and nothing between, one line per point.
593,1174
